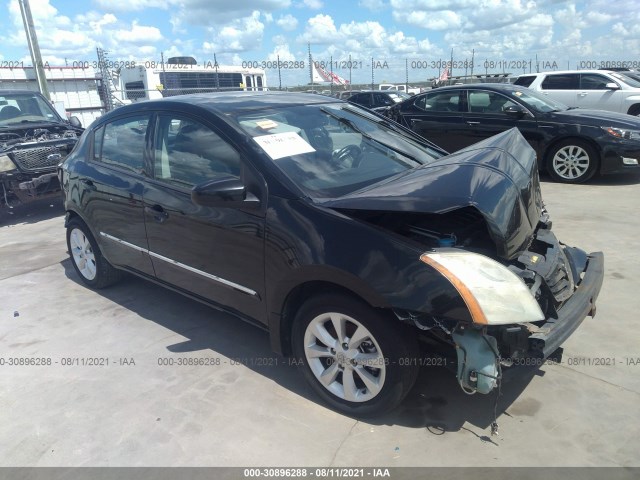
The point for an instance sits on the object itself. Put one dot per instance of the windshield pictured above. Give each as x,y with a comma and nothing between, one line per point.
538,102
630,78
399,96
24,108
333,149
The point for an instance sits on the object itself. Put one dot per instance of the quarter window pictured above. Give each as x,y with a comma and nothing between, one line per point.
123,143
188,153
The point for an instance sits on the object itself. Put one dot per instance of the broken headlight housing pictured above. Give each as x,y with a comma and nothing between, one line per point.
6,164
493,294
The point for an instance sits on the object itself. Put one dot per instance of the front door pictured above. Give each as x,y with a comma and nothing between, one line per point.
214,253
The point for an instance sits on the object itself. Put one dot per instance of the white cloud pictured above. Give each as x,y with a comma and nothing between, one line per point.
314,4
373,5
287,22
238,36
139,34
221,12
320,29
441,20
134,5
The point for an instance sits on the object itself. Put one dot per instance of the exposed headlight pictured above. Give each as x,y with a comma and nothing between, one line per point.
6,164
622,133
493,294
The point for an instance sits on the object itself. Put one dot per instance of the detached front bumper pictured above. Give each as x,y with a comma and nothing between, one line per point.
521,348
554,332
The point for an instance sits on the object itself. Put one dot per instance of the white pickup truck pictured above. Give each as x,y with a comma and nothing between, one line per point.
400,88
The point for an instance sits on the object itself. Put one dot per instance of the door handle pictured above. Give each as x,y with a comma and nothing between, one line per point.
582,94
157,212
89,185
473,123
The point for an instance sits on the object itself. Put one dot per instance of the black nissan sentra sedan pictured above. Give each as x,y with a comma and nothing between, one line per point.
361,248
573,144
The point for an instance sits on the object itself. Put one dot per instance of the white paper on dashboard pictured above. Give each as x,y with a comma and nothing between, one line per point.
279,145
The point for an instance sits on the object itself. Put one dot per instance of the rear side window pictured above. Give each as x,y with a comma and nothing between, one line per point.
561,81
121,143
525,80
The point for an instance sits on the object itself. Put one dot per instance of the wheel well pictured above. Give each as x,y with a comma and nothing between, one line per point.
297,297
634,109
70,214
588,141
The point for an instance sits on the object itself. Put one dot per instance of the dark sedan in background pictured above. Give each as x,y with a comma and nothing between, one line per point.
571,144
377,99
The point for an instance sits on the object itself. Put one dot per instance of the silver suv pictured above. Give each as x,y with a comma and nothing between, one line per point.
593,89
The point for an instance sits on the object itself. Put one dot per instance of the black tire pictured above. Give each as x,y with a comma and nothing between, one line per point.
572,161
391,352
86,257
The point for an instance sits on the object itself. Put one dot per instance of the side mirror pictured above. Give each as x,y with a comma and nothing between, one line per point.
75,122
515,111
227,192
612,86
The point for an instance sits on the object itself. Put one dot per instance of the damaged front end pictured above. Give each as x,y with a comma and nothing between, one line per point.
28,163
514,293
563,281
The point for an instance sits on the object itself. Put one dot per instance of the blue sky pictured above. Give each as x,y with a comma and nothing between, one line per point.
506,35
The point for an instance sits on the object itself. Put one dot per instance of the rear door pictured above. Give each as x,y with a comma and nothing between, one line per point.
562,87
111,190
214,253
438,116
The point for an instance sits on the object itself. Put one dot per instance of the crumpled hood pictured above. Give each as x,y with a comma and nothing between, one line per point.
498,176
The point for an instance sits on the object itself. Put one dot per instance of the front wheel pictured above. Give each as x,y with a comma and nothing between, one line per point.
87,259
357,359
572,161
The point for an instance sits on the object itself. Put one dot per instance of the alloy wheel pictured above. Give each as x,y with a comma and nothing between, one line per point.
344,357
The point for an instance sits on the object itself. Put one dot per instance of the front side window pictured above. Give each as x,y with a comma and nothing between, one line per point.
561,81
446,101
122,143
593,81
488,102
188,153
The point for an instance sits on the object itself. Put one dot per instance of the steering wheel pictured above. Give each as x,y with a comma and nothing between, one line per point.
347,157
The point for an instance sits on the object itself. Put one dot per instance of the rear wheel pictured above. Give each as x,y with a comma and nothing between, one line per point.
88,262
572,161
358,360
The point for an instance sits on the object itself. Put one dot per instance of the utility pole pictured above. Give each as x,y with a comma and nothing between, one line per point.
34,48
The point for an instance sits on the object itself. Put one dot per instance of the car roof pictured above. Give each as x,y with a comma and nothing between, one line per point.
225,102
499,87
567,71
